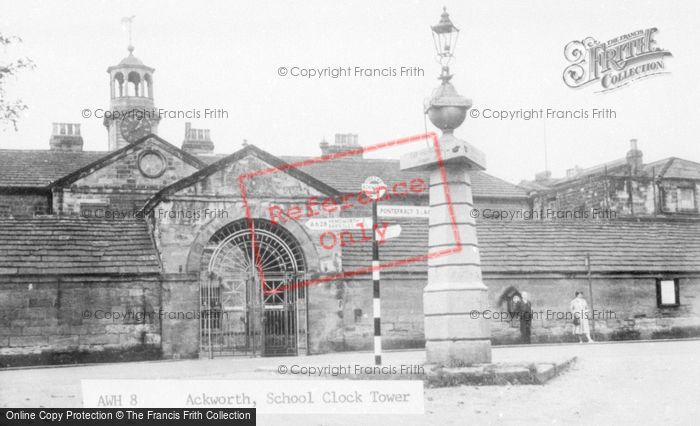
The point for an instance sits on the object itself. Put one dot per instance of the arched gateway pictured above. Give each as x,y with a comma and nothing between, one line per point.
238,317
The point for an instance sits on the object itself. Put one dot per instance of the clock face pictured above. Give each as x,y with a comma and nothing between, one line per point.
151,164
134,127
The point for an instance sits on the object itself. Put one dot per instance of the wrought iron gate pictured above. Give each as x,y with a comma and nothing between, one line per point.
241,315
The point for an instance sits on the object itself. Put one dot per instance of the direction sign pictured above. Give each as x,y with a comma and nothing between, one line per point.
339,223
403,211
374,187
391,231
451,150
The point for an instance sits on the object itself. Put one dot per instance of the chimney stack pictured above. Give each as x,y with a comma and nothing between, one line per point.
343,142
573,172
197,141
542,176
66,137
634,157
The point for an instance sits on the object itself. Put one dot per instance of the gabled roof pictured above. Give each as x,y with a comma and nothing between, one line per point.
34,168
39,168
222,163
557,247
674,168
347,175
611,168
534,185
115,155
69,245
668,168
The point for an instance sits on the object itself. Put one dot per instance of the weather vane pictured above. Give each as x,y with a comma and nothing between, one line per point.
127,23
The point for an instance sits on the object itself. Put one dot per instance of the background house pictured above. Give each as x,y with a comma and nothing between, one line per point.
626,186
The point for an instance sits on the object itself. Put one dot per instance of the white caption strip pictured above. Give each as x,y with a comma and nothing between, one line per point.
268,396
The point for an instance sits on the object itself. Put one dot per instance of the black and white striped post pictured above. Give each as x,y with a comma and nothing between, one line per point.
375,188
377,301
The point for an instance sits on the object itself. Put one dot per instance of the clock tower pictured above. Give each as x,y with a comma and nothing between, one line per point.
132,113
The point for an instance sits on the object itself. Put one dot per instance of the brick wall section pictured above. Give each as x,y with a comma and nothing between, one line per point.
73,314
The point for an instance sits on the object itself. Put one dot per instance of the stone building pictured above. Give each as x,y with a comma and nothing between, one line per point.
627,187
151,250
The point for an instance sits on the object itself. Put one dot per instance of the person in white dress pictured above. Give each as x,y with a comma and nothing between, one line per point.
580,313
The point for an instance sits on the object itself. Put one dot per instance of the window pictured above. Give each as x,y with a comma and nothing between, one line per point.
357,313
686,199
5,210
667,294
678,199
39,209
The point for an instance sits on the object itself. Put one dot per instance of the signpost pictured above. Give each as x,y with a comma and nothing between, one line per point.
338,223
404,211
392,231
374,188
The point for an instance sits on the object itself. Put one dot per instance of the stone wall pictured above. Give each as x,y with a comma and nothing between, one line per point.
627,308
181,324
340,313
24,205
341,318
104,203
120,184
72,319
638,196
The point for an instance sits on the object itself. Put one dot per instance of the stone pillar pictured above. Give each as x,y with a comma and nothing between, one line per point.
455,286
456,333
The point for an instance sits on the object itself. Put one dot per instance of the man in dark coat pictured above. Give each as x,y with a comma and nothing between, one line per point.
525,315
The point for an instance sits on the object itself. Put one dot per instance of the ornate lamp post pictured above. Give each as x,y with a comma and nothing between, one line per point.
445,36
446,108
454,335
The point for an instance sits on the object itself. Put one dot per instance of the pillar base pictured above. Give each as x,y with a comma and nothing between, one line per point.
457,353
456,332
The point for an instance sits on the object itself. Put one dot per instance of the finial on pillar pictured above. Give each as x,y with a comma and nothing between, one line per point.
447,109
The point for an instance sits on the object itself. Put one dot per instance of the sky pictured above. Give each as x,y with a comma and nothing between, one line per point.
227,55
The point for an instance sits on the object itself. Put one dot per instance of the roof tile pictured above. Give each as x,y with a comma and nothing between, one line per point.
618,246
38,168
70,245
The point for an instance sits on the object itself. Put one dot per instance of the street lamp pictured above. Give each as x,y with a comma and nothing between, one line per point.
445,36
446,108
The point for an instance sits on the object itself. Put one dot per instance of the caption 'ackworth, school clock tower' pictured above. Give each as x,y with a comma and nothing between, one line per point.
132,112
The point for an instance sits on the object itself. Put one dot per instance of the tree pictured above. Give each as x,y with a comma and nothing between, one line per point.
11,110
